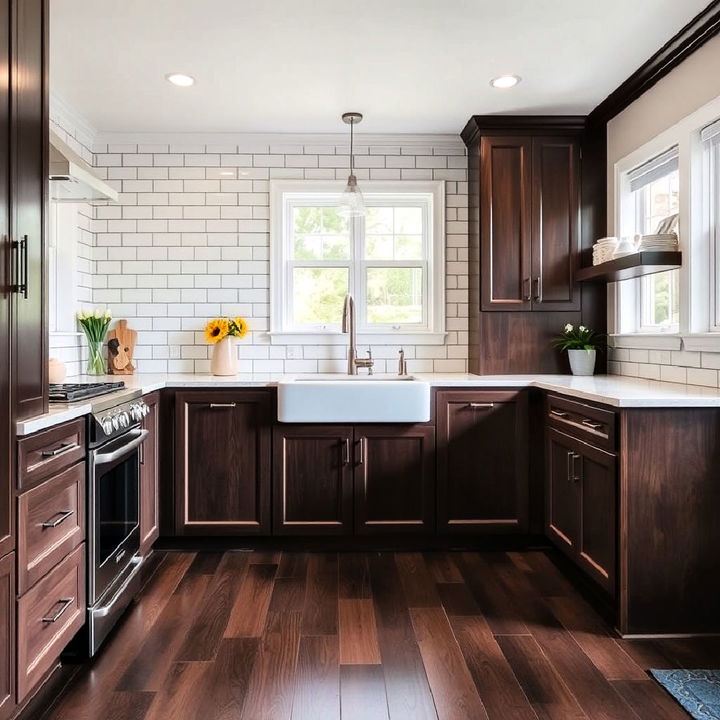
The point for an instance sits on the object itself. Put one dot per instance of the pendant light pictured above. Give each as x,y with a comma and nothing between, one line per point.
352,203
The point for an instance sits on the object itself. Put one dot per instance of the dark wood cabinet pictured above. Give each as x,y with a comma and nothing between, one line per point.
312,479
529,213
482,461
581,498
394,479
29,129
149,475
223,462
7,636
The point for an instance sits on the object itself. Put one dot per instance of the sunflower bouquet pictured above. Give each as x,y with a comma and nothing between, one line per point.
220,328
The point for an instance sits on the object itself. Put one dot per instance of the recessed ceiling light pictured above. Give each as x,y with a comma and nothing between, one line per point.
180,79
505,81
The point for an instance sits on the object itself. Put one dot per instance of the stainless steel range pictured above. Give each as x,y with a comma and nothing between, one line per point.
115,441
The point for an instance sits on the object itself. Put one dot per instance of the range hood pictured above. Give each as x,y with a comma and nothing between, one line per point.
72,179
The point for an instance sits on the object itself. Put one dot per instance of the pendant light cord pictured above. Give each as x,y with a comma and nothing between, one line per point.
352,125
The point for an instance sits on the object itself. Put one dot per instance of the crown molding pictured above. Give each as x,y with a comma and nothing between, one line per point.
694,35
71,121
512,124
189,139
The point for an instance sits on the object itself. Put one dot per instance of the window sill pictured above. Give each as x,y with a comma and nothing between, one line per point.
338,338
647,341
702,342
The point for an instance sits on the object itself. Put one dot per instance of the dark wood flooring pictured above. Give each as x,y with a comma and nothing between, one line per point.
371,636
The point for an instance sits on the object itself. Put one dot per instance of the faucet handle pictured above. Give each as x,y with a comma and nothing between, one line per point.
369,353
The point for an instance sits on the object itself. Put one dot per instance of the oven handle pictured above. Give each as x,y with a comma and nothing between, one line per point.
138,439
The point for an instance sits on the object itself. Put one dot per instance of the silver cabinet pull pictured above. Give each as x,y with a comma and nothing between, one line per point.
559,413
526,289
62,516
20,269
572,472
64,447
346,451
538,289
481,406
592,425
66,603
361,446
223,405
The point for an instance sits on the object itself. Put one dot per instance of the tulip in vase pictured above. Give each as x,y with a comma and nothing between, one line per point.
95,325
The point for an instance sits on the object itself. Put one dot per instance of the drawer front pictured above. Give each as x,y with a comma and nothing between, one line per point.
47,453
592,425
49,615
51,523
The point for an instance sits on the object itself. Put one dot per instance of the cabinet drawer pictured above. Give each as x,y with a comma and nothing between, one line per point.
49,615
49,452
51,523
585,422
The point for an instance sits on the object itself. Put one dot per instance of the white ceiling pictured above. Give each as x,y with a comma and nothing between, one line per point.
414,66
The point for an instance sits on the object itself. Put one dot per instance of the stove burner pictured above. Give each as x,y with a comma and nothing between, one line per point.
70,392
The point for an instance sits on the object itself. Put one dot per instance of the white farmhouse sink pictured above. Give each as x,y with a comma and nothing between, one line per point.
353,399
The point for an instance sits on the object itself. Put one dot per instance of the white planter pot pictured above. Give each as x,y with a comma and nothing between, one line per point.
582,362
224,357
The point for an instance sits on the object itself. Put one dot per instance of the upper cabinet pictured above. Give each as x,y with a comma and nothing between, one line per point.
529,205
28,143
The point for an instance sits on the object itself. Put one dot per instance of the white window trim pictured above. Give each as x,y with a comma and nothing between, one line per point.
434,334
694,275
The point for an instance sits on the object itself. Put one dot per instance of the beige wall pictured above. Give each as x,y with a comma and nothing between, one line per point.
689,86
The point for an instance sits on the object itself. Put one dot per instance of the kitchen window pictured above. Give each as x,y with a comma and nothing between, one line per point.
391,260
710,137
656,190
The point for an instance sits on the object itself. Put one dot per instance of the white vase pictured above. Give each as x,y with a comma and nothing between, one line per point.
582,362
224,357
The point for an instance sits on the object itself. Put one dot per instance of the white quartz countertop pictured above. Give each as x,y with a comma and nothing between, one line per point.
614,390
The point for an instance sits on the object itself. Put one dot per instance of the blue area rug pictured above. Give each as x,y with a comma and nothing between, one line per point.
698,691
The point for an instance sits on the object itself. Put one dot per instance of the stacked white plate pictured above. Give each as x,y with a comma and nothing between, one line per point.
603,250
662,241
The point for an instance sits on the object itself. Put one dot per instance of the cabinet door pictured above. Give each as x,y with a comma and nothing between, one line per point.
555,223
29,182
505,233
312,471
7,636
149,501
7,436
482,461
598,515
394,479
562,497
223,462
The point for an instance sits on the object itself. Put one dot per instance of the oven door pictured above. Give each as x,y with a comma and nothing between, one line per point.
114,510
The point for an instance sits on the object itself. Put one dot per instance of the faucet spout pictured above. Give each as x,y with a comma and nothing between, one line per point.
348,326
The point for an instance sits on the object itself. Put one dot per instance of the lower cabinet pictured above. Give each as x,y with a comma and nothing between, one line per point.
7,636
581,505
336,479
223,462
482,461
149,500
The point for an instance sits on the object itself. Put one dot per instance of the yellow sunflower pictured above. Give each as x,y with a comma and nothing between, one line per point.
216,330
241,327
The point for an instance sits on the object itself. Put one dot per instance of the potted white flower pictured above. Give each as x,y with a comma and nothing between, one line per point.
582,345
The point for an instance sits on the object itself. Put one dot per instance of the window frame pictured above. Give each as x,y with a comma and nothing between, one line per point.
287,194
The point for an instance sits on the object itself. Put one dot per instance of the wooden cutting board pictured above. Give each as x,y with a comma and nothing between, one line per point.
121,346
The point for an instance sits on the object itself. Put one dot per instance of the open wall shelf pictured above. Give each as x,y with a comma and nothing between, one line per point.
631,266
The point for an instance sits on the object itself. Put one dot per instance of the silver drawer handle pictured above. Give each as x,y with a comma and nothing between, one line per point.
66,603
346,451
559,413
481,406
65,447
63,515
223,405
591,424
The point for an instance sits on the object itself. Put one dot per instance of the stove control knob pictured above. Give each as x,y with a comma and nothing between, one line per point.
135,412
145,409
106,424
124,419
115,422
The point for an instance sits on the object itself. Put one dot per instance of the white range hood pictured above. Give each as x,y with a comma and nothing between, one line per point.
72,179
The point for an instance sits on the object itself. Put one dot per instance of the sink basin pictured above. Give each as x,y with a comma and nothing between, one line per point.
353,399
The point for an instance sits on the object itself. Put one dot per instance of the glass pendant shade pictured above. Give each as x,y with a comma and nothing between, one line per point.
352,203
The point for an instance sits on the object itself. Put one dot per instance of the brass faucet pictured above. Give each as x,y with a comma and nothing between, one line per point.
348,326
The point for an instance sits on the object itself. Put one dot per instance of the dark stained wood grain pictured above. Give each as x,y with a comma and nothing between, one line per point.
442,567
494,679
7,635
320,612
150,476
452,686
127,706
354,576
179,696
249,612
649,700
317,688
418,585
358,632
362,693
